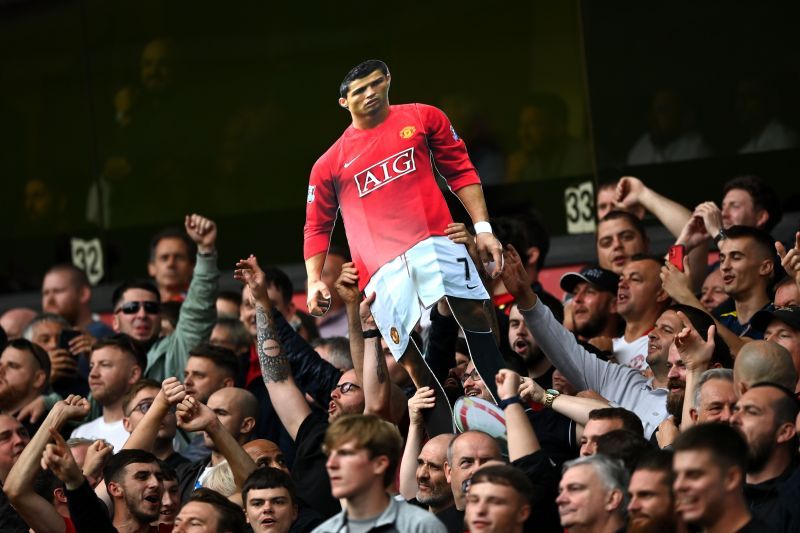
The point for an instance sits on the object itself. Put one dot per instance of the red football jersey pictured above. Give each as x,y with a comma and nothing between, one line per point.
383,180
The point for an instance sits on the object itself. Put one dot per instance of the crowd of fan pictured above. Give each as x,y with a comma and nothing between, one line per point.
658,396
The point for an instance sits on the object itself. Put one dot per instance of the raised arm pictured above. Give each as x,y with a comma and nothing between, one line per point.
87,512
676,284
37,512
423,399
790,260
632,191
522,438
573,407
696,356
195,416
198,311
287,399
347,287
144,436
377,385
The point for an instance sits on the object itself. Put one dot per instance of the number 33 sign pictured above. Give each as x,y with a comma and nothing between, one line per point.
579,203
88,256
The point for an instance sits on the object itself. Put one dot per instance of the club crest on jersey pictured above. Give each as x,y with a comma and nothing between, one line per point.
407,132
381,173
395,335
310,197
453,131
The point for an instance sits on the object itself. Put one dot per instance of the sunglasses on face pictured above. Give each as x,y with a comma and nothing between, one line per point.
467,375
144,406
346,387
131,308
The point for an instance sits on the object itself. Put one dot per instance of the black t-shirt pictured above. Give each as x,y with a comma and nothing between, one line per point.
10,521
309,473
453,519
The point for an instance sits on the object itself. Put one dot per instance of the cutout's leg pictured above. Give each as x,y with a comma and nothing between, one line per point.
472,317
439,419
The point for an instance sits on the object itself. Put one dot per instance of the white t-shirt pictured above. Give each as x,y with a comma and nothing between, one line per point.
112,433
632,354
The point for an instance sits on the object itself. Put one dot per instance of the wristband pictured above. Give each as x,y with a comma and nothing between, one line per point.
502,404
720,236
371,334
482,227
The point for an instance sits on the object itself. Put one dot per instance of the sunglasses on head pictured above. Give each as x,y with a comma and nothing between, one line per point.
131,308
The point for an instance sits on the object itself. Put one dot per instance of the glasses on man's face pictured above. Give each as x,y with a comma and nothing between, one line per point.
473,375
145,405
345,387
131,308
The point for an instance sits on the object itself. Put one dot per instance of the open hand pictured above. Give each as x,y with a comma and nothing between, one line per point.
695,352
248,272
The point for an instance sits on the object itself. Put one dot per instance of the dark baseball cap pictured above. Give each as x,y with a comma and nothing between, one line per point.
603,279
788,315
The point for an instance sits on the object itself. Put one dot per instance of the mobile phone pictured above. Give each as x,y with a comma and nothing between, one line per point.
676,254
66,336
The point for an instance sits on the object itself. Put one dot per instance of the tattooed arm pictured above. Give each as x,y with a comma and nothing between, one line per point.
377,385
287,400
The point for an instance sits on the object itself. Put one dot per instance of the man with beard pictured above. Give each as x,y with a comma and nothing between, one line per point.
522,342
422,466
625,386
24,375
113,369
226,422
709,465
765,415
594,302
640,301
66,292
306,427
651,508
134,483
136,308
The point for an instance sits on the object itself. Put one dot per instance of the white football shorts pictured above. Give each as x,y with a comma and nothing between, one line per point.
417,279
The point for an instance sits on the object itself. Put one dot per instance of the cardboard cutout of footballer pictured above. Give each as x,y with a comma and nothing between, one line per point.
380,173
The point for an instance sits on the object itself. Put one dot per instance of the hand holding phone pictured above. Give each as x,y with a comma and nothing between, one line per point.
676,255
66,337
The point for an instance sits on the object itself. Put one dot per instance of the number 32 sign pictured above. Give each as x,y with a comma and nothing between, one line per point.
88,256
579,203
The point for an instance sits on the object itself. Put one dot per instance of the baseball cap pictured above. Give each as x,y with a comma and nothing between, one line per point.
603,279
789,315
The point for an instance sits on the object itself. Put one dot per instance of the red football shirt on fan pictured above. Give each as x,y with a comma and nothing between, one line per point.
383,180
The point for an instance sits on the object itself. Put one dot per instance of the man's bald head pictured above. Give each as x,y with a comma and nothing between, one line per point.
14,321
237,410
763,361
266,453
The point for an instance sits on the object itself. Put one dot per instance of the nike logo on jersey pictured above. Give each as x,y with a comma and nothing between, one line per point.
473,287
381,173
351,161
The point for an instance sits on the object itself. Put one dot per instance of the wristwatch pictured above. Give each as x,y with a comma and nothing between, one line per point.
549,396
720,236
